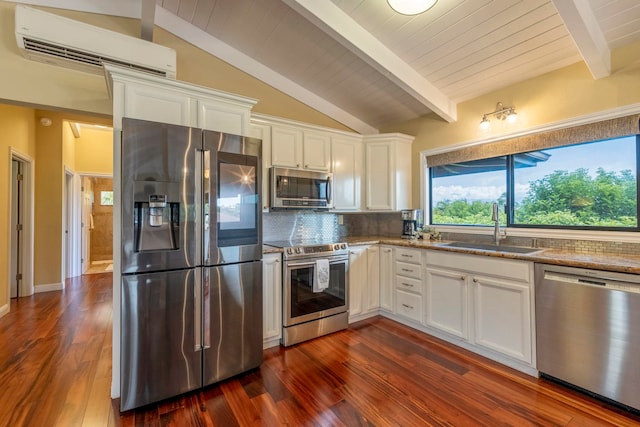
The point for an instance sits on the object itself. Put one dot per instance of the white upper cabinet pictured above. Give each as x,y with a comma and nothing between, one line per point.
316,151
388,172
347,166
286,147
294,147
147,97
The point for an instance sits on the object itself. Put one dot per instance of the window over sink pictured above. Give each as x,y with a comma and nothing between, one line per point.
591,185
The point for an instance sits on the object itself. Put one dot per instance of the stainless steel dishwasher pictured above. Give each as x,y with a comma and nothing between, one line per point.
588,330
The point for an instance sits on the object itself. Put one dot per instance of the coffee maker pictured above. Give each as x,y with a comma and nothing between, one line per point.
412,219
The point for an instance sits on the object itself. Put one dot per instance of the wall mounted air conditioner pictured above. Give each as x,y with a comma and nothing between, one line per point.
56,40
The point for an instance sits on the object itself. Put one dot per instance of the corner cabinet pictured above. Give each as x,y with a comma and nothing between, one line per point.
388,172
272,299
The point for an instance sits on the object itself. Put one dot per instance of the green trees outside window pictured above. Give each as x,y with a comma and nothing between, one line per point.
587,186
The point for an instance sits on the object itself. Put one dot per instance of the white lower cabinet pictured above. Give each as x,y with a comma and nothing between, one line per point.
364,282
272,299
484,301
386,278
447,302
502,317
408,283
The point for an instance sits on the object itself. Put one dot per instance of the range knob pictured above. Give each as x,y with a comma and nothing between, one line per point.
336,247
298,250
343,246
289,251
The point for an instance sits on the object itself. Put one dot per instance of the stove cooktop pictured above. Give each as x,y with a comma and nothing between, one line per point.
298,248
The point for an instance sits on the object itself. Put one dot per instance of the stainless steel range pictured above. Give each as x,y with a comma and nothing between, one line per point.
315,289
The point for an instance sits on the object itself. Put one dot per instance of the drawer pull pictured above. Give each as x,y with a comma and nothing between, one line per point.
407,255
410,307
408,270
408,284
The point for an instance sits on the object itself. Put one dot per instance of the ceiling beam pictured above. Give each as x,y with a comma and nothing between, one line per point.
337,24
147,19
583,26
191,34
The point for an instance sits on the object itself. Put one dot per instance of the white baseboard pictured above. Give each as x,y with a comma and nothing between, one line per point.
4,309
49,287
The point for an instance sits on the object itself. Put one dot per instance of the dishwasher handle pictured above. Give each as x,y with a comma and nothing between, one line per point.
610,284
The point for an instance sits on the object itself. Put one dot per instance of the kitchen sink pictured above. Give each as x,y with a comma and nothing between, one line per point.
491,247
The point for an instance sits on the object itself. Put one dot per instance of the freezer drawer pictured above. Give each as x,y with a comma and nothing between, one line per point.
232,297
158,358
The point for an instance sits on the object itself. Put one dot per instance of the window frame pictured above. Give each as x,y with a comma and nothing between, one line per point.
510,197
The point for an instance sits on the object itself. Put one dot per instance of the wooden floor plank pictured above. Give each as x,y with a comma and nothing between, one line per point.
55,368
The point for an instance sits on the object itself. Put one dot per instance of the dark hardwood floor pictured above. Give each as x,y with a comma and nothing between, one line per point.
55,370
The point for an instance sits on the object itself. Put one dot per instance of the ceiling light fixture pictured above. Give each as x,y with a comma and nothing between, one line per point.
411,7
501,113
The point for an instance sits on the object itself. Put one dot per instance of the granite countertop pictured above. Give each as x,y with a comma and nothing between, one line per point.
610,262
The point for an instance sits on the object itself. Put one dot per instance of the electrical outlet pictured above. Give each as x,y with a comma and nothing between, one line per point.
340,219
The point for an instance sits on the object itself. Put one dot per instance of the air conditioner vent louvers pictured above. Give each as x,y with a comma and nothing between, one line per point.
81,57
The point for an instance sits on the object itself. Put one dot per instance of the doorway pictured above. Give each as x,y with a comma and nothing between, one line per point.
97,218
21,212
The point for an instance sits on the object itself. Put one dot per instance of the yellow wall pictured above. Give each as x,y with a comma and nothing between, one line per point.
18,132
553,97
94,151
49,184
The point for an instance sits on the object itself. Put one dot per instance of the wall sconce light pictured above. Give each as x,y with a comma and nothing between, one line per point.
411,7
501,113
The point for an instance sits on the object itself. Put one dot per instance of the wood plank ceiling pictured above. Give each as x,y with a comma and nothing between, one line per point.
368,67
458,49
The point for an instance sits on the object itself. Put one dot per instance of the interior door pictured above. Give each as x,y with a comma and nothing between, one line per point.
16,227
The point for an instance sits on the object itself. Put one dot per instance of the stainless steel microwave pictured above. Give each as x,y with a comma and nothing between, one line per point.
300,189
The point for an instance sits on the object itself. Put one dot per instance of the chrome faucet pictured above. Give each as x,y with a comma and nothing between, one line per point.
497,235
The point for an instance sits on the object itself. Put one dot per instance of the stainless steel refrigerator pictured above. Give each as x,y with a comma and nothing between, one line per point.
191,259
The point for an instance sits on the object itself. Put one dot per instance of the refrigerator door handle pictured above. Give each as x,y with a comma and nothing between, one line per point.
206,307
204,193
197,312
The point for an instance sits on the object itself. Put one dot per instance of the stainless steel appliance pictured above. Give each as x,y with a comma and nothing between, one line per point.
300,189
191,259
412,219
310,310
587,330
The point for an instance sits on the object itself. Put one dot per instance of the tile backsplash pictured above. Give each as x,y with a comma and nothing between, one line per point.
294,225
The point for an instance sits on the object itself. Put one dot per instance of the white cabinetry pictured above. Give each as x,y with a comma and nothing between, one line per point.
272,299
408,289
364,282
386,278
263,132
143,96
483,300
347,166
446,301
388,171
294,147
502,316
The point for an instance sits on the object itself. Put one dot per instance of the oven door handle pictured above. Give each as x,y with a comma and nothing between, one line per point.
312,263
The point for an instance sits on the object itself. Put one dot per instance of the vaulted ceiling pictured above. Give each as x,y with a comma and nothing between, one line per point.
368,67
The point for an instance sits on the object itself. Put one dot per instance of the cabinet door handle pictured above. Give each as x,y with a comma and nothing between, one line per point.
475,280
277,260
410,307
462,278
297,165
